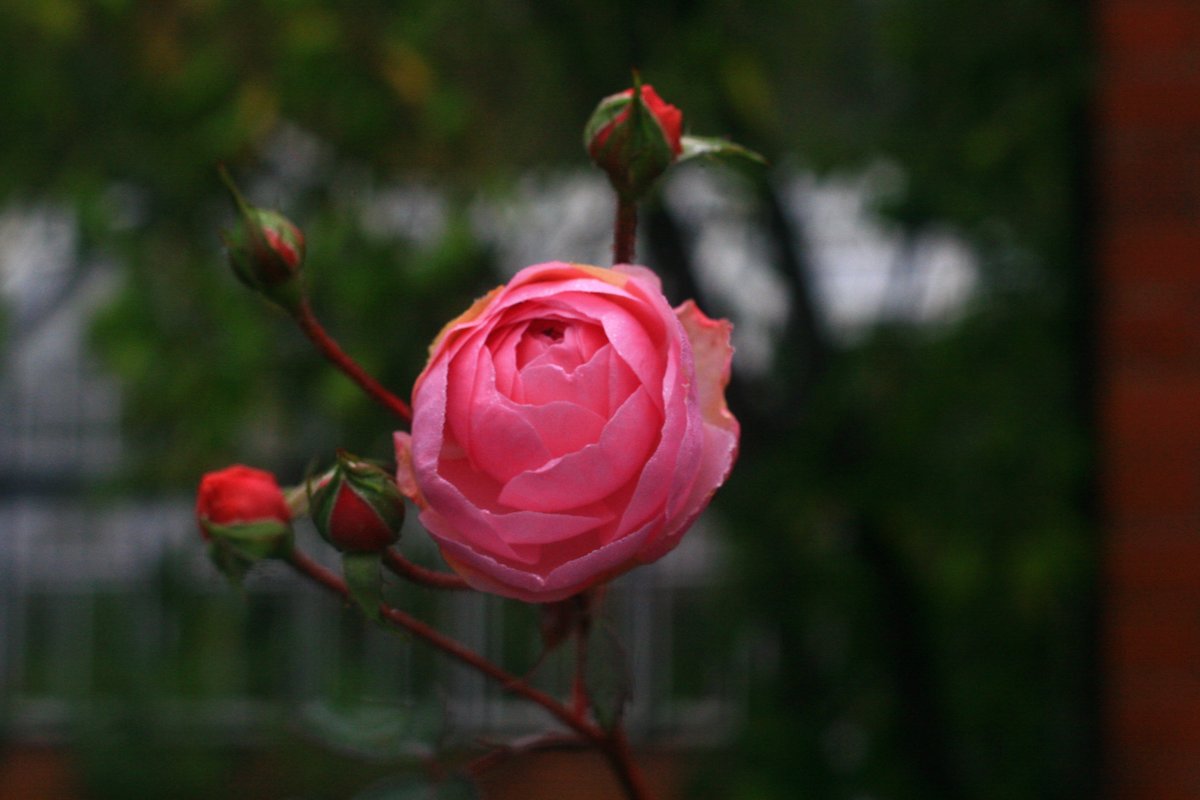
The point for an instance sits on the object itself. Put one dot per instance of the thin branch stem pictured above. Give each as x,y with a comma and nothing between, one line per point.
329,348
613,744
509,682
625,231
418,574
620,757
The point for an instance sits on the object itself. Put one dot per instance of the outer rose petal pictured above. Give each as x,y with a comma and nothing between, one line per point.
606,498
405,478
713,356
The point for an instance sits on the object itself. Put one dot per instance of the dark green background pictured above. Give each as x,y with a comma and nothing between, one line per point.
909,518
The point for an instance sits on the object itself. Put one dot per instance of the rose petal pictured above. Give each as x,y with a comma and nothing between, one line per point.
595,471
670,470
488,574
405,479
720,451
506,442
712,353
601,385
450,516
577,341
502,344
562,427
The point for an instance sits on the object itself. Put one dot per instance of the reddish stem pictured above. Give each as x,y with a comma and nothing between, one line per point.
418,574
625,231
330,349
620,757
612,744
508,681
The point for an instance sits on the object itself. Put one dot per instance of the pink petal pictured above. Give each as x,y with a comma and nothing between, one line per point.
630,336
488,574
464,374
601,385
712,354
645,279
502,343
562,427
710,341
487,531
671,469
632,326
720,450
506,443
405,479
597,470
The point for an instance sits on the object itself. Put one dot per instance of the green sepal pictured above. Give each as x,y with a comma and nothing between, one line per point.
229,562
716,148
234,549
608,679
608,110
373,485
365,581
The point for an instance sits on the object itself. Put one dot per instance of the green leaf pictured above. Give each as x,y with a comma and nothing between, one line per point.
362,572
230,564
382,731
608,679
721,149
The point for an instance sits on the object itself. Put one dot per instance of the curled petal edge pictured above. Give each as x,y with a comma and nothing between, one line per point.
406,479
712,353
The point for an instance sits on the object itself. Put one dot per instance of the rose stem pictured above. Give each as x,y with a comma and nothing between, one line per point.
625,231
613,744
616,749
330,349
418,574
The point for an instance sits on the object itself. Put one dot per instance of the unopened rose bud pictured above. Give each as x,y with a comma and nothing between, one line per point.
358,508
244,517
265,250
634,136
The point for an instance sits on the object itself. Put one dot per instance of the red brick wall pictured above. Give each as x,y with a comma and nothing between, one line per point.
1148,151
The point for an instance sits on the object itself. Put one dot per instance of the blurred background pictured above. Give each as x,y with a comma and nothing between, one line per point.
894,596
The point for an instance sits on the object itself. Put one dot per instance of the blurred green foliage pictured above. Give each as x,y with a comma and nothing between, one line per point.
910,512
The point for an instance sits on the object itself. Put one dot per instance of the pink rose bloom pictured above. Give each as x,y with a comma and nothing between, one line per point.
568,427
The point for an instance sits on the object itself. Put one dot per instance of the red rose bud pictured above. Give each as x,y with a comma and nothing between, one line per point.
265,250
358,508
634,136
244,517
